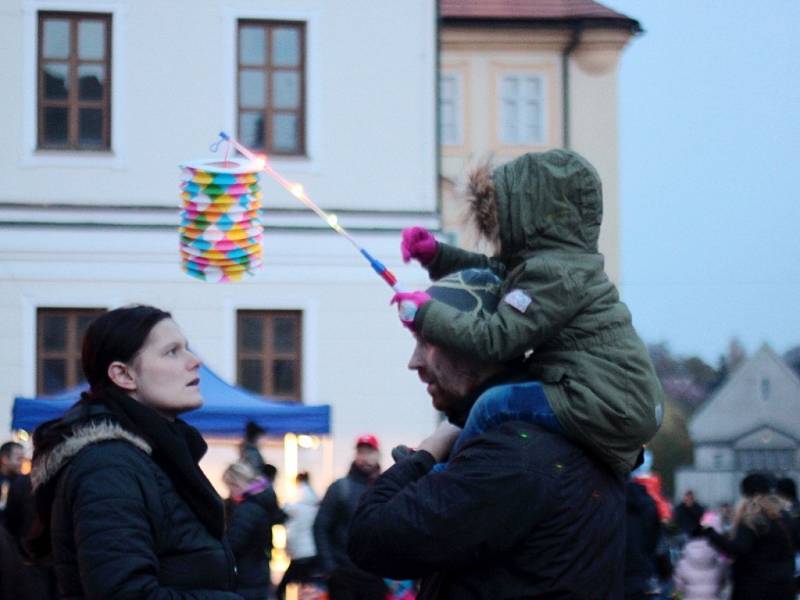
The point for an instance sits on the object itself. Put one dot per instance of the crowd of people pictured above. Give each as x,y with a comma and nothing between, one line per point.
524,489
742,552
748,551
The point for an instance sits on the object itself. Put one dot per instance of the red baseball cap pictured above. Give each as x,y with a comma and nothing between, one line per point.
368,440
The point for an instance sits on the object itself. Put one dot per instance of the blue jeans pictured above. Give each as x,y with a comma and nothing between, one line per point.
502,403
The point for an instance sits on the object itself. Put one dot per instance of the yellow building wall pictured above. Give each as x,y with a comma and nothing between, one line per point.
480,56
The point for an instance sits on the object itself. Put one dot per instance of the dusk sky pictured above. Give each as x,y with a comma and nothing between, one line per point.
710,154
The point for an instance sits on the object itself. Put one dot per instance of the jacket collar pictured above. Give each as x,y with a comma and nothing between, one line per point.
46,466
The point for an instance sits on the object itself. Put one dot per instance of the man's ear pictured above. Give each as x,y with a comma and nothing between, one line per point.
120,375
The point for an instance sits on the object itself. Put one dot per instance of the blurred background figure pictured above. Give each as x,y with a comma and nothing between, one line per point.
762,545
345,580
787,490
253,511
644,475
701,571
250,454
725,517
688,513
642,534
18,580
248,451
12,455
300,546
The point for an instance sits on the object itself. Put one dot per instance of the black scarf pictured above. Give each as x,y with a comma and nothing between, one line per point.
177,448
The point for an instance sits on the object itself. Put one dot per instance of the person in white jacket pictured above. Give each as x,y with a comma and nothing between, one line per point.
300,545
700,572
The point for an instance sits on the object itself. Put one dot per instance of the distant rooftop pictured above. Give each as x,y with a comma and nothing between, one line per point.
544,11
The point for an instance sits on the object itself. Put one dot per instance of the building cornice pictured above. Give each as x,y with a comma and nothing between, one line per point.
133,216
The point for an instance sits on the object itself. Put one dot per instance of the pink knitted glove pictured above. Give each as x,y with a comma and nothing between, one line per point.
418,243
407,305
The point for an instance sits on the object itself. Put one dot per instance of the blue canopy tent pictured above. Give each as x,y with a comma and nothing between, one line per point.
226,409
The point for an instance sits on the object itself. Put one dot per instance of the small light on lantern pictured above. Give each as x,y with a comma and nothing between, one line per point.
261,162
297,190
333,221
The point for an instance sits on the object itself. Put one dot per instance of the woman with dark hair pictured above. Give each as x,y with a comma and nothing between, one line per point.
124,510
762,544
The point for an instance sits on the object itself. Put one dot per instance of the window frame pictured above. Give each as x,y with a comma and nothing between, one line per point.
500,103
267,356
458,108
73,103
72,345
769,459
302,113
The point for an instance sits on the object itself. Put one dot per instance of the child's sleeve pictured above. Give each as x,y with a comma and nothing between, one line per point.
450,259
537,304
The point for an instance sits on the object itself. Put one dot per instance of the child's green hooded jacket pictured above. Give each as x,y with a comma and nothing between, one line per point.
558,306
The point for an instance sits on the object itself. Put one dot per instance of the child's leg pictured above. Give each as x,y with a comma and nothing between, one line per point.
510,402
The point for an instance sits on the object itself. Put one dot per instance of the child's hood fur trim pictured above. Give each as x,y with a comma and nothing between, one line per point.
482,202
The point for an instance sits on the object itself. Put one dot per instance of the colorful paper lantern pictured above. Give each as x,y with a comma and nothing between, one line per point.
221,228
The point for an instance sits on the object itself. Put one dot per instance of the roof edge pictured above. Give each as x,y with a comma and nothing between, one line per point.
625,23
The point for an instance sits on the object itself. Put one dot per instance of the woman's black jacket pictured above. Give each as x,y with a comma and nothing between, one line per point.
118,528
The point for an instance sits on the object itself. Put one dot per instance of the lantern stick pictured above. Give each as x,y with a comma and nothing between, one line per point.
297,190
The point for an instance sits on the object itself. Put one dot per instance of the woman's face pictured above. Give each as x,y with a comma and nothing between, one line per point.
165,373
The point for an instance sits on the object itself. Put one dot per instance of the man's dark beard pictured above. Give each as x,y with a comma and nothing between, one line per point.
458,415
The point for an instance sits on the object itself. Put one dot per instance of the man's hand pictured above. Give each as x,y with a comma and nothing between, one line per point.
418,243
440,441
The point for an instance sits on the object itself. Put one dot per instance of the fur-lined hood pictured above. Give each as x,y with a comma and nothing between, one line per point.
48,464
540,201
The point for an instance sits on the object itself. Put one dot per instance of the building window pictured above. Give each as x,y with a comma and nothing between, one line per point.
268,352
74,81
765,389
717,460
766,460
271,83
522,110
59,333
450,124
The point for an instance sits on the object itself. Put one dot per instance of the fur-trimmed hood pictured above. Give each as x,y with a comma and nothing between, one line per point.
540,201
48,464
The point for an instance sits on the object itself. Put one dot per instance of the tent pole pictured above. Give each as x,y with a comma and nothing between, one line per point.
289,465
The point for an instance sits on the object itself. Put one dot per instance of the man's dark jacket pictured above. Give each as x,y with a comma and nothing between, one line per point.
687,518
519,513
642,533
250,537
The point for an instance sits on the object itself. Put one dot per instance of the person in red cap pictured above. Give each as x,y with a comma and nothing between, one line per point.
332,524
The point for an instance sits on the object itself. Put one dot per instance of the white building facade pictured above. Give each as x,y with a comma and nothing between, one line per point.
103,100
751,424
